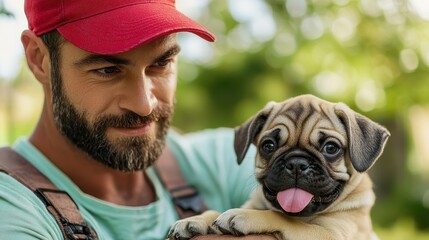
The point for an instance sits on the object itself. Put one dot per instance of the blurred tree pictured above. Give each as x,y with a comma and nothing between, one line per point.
4,11
5,96
365,53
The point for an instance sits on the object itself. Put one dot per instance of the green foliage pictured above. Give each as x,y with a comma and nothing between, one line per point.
4,11
403,229
364,56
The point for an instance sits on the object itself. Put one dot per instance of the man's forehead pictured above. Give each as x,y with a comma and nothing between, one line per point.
155,48
170,39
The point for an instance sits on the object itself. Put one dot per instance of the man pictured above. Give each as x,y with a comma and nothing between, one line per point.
108,71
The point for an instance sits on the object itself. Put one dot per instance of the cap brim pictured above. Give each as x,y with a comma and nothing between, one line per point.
125,28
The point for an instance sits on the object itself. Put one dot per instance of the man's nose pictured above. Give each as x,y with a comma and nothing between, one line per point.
139,96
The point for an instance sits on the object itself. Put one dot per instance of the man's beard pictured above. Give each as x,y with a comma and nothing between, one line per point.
124,154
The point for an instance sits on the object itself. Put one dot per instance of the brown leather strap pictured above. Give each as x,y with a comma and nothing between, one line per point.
57,202
186,198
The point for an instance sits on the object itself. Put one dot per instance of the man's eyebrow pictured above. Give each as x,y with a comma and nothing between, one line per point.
173,51
101,59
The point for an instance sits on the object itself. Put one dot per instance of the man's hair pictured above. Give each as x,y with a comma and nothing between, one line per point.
53,41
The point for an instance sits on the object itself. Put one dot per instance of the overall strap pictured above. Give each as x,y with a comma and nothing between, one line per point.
57,202
186,198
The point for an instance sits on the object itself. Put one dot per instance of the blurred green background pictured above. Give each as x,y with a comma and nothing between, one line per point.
371,54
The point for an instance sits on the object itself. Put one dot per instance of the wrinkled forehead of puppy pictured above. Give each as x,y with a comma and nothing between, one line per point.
304,118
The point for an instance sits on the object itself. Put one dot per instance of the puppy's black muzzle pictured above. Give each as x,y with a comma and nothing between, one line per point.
298,169
293,169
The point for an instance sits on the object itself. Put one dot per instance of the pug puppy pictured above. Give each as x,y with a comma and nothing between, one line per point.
311,164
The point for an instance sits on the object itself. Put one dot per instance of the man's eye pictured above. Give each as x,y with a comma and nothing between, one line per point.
162,63
108,70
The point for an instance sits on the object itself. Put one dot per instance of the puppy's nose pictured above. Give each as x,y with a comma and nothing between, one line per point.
297,165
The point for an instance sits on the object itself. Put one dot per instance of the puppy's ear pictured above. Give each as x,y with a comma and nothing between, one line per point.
366,138
247,132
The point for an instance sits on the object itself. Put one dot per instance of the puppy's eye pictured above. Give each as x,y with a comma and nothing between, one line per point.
331,149
268,146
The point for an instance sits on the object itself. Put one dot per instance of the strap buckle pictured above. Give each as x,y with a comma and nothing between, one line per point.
188,198
75,231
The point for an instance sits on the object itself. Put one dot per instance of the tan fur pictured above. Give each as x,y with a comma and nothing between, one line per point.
300,122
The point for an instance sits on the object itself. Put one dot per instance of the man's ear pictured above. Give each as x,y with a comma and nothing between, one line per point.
248,131
366,138
37,56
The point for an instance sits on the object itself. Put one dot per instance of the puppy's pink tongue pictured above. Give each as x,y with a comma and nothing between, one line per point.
294,200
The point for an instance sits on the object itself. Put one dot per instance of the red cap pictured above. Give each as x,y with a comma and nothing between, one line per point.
110,26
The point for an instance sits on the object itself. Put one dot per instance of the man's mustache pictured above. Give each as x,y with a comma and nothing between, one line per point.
132,119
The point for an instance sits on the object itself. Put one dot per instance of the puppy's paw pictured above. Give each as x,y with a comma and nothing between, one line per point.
233,221
188,228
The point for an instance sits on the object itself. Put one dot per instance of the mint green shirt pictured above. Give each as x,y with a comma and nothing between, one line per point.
207,161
